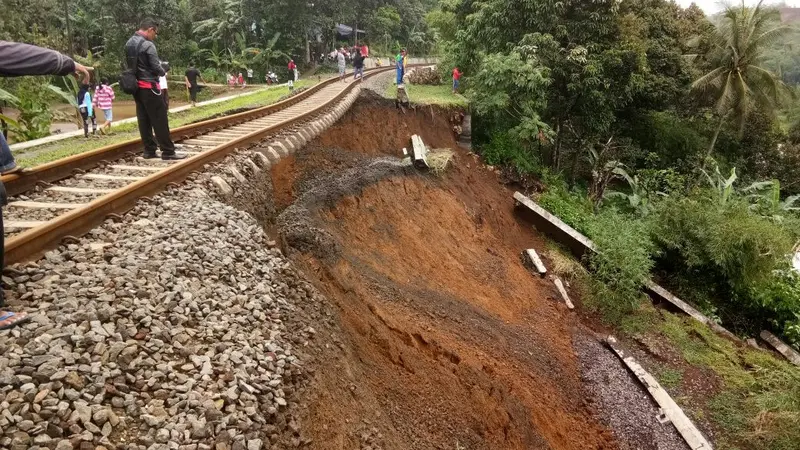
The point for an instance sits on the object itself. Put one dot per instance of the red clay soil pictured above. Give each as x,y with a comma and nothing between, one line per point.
443,339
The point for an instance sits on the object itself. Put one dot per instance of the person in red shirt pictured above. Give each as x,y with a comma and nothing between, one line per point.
456,77
241,80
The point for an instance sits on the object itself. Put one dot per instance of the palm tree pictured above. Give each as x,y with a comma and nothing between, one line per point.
737,84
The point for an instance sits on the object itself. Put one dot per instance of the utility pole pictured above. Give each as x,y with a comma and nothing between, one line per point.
71,53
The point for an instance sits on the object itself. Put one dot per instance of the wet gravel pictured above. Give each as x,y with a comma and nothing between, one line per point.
622,402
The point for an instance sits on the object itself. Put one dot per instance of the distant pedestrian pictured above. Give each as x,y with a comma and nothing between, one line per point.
456,77
250,76
190,78
292,74
164,85
86,109
103,100
358,65
400,66
151,112
241,80
341,63
18,60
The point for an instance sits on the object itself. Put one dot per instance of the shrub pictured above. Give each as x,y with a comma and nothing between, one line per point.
571,206
622,264
780,297
721,251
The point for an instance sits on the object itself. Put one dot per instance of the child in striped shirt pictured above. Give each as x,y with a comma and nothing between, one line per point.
103,99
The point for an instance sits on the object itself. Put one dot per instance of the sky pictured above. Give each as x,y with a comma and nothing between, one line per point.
712,6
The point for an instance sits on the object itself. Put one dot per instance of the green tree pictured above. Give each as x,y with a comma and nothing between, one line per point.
737,83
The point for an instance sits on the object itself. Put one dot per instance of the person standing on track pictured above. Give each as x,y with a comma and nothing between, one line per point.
341,63
103,100
358,65
17,60
190,77
151,112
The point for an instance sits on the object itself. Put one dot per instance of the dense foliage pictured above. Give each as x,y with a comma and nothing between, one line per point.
667,136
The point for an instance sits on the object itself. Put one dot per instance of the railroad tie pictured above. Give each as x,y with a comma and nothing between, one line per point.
102,176
78,190
45,205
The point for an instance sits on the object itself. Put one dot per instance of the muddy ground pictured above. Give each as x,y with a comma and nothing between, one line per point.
440,337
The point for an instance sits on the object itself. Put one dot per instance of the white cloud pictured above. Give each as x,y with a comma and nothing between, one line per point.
713,6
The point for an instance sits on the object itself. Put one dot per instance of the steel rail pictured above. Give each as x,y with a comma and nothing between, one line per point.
35,241
56,170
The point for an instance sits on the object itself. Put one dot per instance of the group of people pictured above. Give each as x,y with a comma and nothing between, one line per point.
357,54
87,105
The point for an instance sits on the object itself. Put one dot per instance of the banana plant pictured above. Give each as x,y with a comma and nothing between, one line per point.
765,198
723,187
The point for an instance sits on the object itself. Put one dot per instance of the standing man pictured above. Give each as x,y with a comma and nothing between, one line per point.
190,78
250,76
456,77
151,111
18,60
400,66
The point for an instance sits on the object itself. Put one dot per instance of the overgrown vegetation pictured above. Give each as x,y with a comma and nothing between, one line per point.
670,139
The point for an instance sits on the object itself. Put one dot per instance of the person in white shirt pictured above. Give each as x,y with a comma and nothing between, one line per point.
162,83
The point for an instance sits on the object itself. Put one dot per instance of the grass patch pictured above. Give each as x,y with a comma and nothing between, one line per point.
758,402
43,154
755,400
441,95
670,377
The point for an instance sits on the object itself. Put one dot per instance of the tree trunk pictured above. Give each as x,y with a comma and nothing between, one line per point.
71,53
714,140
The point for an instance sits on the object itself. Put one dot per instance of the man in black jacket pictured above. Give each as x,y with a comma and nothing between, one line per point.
17,60
151,111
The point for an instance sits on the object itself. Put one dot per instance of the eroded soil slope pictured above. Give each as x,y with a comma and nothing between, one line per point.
442,338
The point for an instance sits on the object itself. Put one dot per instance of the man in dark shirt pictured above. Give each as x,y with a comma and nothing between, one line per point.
151,111
190,78
17,60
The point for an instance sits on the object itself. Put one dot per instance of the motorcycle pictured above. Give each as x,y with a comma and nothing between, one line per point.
272,78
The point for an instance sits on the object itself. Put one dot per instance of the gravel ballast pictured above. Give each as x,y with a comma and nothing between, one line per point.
173,329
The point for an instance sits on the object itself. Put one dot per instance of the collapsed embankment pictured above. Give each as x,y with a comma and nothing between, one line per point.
441,338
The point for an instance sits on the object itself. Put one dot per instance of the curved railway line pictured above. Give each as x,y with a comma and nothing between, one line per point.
68,197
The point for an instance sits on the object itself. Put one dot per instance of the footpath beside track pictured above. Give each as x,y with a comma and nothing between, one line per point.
69,197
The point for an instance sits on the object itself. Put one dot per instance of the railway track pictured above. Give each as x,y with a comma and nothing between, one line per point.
67,198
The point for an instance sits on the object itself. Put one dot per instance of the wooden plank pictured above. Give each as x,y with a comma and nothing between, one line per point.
46,205
200,143
680,304
788,352
22,223
78,190
575,240
144,168
420,152
537,262
102,176
693,437
561,290
582,245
